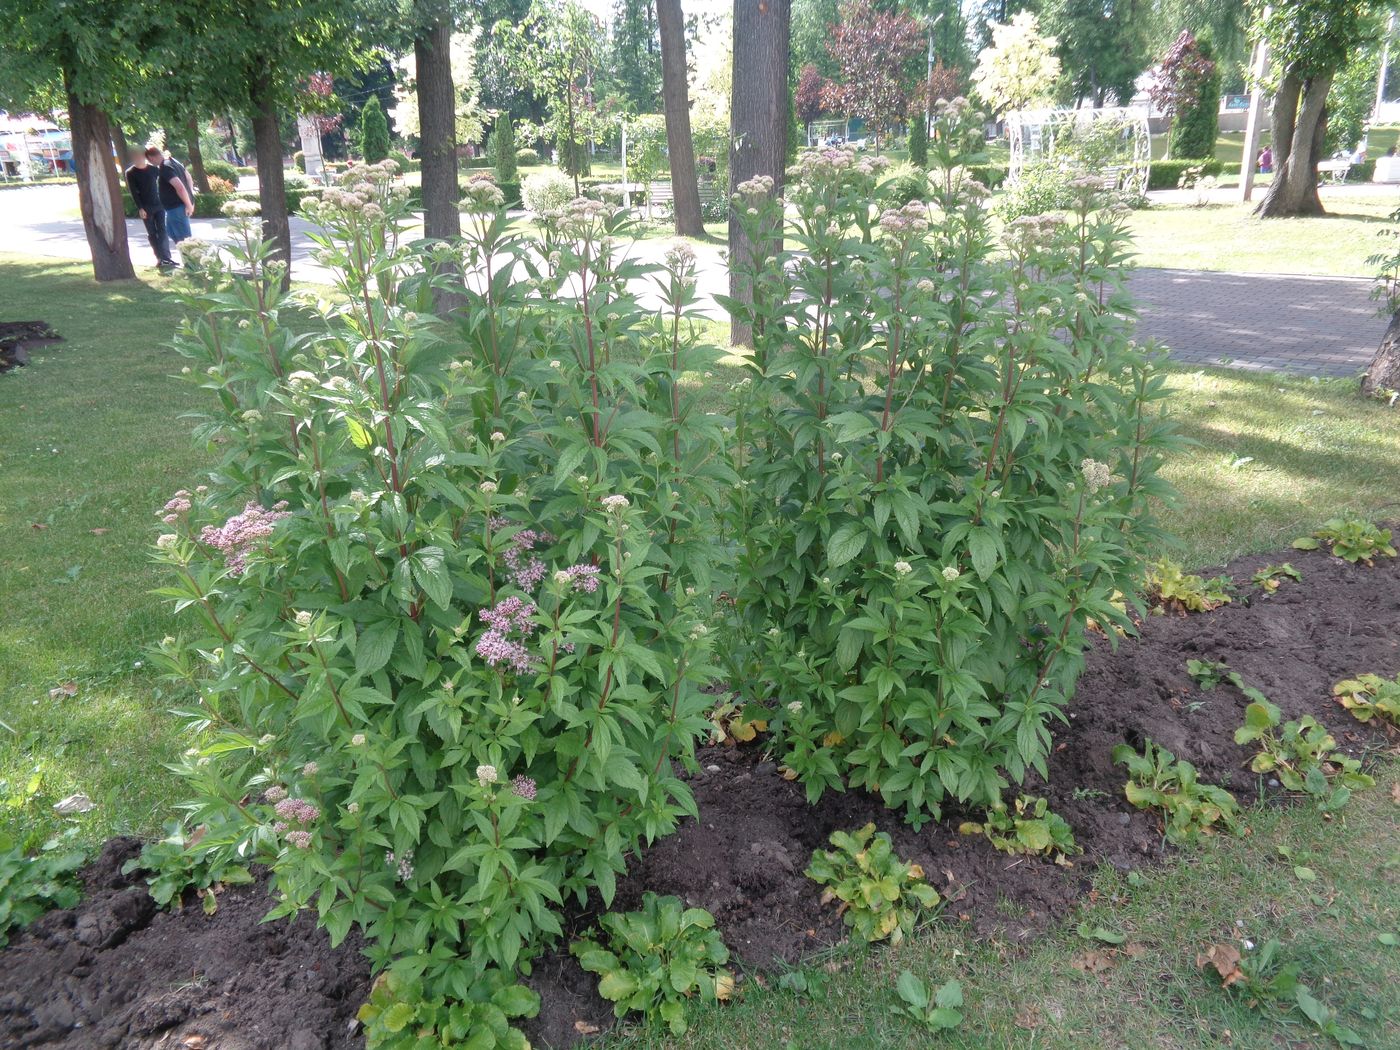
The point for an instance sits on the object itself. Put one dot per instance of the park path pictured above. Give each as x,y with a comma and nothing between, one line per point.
1325,326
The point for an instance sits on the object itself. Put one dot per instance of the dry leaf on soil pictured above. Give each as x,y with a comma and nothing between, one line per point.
63,689
1225,958
584,1028
1093,961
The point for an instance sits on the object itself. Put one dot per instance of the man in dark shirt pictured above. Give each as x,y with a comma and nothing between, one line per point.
176,193
143,183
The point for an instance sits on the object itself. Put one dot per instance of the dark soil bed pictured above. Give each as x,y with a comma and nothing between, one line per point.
115,973
19,338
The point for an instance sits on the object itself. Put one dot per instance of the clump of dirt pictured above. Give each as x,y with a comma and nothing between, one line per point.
114,972
18,338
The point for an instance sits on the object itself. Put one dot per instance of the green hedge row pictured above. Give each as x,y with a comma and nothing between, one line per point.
1165,174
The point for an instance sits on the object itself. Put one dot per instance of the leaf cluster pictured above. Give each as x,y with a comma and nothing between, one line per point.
1028,826
1178,591
1353,539
881,895
178,863
398,1015
1370,696
1190,809
938,1010
655,960
1301,753
33,883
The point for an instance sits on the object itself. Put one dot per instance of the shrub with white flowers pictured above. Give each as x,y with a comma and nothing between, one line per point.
948,448
442,595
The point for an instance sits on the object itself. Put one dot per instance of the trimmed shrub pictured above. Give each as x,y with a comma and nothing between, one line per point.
949,452
1166,174
1041,187
990,175
299,161
527,157
500,147
374,132
1194,132
448,646
905,183
918,141
224,170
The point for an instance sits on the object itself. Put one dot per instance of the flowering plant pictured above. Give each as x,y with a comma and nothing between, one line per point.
947,450
444,588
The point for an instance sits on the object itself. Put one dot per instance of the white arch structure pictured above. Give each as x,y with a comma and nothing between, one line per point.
1113,141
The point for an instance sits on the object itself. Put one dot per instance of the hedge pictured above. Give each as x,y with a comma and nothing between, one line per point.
211,205
1165,174
989,175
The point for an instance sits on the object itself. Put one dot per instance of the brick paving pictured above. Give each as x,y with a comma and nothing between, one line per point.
1325,326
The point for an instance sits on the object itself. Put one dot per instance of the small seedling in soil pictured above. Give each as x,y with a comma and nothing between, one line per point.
1352,539
1261,978
1190,809
1270,577
1301,754
939,1011
1176,591
881,896
1030,827
177,863
1370,696
735,724
654,960
398,1017
31,885
1207,674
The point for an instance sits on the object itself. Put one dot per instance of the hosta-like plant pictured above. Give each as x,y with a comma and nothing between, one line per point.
1190,808
1029,825
1370,696
654,960
947,449
880,896
1301,753
443,593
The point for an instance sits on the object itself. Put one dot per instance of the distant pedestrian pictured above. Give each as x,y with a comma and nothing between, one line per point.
143,183
1266,161
179,207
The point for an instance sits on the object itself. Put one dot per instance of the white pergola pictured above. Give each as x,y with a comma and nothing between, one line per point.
1114,141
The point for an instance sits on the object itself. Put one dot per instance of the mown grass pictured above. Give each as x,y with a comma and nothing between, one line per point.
94,440
1229,237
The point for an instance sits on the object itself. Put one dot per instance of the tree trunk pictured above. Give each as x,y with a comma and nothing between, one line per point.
119,141
675,100
1298,128
99,193
758,125
437,123
272,189
196,156
1384,371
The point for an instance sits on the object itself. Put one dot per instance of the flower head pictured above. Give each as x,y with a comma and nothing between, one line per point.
902,568
486,775
1096,475
951,573
524,787
303,618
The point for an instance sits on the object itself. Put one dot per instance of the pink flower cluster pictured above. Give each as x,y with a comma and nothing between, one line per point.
238,536
513,616
526,572
297,811
524,787
583,577
178,504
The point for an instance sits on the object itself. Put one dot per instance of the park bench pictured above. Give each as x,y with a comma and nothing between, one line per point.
1334,170
660,193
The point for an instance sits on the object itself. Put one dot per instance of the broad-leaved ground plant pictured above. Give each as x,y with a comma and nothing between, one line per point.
947,444
444,593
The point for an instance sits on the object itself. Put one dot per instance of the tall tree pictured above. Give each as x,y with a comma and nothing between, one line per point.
636,54
675,99
872,50
1184,76
809,97
1102,46
758,123
374,132
1309,41
1020,66
86,55
811,24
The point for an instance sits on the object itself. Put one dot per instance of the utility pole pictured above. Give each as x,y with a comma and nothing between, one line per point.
928,90
1259,65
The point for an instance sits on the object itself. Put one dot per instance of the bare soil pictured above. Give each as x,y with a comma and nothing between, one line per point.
114,972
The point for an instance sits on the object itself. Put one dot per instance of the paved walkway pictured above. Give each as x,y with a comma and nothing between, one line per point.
1311,325
1326,326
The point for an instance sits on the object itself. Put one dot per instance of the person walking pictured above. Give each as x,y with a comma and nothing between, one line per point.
143,183
179,207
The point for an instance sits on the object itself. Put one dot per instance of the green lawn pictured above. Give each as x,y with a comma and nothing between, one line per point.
94,442
1229,237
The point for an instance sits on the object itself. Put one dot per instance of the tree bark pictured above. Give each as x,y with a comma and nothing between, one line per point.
272,188
758,126
437,123
119,141
1384,371
675,100
1298,127
99,193
196,155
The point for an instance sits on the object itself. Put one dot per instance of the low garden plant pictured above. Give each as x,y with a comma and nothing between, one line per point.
1301,754
444,594
948,459
881,895
1369,696
1190,809
1262,978
1271,577
33,882
1027,826
1352,539
938,1010
398,1016
176,864
1175,590
655,960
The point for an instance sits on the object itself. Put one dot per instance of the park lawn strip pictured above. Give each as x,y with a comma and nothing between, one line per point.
101,444
1065,990
1228,237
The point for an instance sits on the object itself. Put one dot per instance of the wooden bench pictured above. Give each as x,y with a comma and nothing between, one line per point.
661,193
